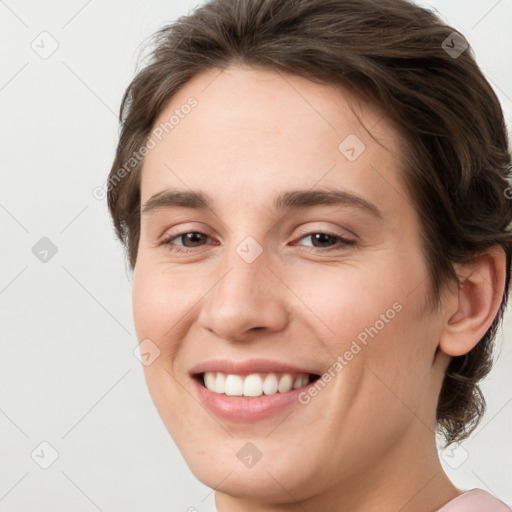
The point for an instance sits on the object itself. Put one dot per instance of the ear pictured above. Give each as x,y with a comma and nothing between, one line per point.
471,307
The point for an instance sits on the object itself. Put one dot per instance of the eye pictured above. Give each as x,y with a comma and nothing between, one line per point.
189,239
322,242
319,241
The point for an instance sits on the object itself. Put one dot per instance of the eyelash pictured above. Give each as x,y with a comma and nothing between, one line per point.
180,249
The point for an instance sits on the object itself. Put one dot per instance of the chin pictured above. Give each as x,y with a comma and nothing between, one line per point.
267,481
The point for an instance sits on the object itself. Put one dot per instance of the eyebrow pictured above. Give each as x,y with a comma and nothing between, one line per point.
293,199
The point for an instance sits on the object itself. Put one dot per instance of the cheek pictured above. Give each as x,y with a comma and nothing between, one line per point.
161,311
161,306
377,320
352,301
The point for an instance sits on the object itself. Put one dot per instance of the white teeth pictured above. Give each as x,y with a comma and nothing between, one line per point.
270,384
234,385
285,383
209,380
255,384
220,382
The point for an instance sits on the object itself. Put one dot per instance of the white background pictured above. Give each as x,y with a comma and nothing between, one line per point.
67,372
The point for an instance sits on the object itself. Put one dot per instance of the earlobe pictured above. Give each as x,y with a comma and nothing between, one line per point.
477,302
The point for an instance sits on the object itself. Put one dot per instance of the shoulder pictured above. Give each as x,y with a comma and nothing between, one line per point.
475,500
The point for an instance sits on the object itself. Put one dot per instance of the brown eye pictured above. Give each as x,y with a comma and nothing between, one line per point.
192,239
326,241
187,241
323,239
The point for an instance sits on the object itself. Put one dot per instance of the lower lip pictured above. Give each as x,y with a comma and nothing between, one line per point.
246,408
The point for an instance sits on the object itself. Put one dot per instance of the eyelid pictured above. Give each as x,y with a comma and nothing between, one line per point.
342,244
166,239
183,228
308,230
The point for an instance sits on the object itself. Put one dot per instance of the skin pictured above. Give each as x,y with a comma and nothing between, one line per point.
366,441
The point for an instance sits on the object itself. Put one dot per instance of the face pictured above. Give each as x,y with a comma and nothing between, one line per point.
279,249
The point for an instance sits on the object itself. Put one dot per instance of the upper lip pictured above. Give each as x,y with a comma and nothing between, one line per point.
247,367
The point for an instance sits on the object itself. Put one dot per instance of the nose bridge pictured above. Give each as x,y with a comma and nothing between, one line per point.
246,296
245,268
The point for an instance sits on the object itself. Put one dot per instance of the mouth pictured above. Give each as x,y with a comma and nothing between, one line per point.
250,391
254,384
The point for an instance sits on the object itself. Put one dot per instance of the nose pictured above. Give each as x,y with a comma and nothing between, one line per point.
247,299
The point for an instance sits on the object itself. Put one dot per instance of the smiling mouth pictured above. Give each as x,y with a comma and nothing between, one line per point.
254,384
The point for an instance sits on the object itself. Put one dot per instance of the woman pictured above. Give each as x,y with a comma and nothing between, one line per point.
313,197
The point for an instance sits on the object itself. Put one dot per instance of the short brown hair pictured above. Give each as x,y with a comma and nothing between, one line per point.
456,157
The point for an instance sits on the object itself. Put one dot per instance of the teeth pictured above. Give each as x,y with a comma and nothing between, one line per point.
270,384
285,383
301,381
255,384
220,383
210,380
234,385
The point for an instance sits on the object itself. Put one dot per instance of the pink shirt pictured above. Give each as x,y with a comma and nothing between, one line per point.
475,500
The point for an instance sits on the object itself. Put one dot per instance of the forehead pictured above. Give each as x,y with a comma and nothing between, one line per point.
254,129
